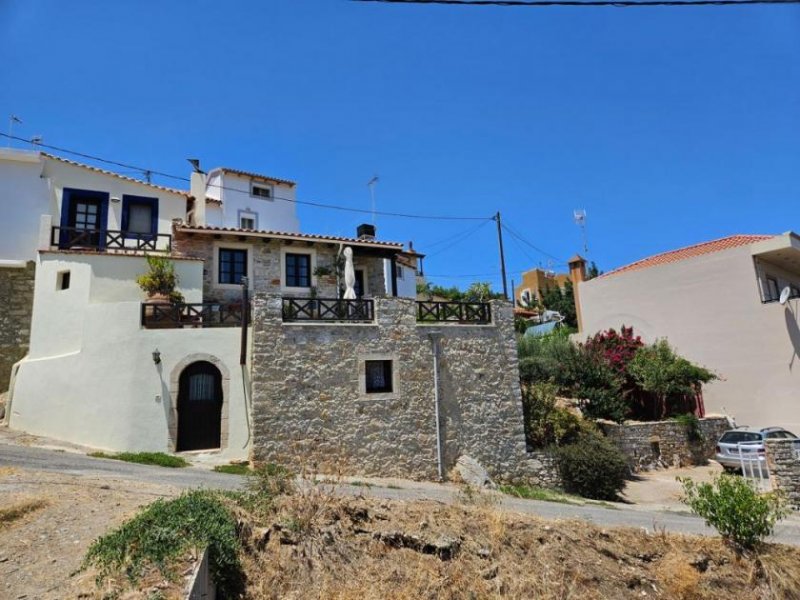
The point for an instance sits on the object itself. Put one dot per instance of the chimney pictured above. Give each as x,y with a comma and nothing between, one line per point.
577,274
197,188
365,231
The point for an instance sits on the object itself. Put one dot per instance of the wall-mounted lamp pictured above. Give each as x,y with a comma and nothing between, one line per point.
115,199
156,357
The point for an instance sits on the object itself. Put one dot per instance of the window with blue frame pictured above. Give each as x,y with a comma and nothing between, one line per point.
139,216
298,270
232,265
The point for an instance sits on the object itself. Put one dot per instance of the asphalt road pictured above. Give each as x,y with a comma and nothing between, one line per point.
80,465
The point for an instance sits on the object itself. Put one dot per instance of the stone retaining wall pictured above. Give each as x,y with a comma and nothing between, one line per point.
310,409
663,444
783,461
16,307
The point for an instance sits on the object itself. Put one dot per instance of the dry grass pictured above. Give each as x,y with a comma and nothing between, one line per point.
10,514
317,545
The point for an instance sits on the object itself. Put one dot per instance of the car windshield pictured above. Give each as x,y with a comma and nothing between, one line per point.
737,437
781,435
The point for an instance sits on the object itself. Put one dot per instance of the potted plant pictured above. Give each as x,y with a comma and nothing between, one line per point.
159,284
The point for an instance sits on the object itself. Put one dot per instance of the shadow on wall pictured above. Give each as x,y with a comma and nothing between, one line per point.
793,329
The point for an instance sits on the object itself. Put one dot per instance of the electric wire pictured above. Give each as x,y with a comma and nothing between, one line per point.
587,3
462,238
527,243
316,204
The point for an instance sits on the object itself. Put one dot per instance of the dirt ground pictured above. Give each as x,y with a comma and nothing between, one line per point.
39,550
660,489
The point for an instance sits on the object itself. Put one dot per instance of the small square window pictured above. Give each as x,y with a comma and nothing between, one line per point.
261,190
247,223
63,281
378,376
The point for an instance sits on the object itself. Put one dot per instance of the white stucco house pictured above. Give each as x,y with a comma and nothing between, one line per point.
104,368
718,303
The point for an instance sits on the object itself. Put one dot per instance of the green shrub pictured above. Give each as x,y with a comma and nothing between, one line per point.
659,370
545,423
167,530
732,506
592,467
161,278
693,430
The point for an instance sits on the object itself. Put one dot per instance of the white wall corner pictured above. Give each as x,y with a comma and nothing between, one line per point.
45,230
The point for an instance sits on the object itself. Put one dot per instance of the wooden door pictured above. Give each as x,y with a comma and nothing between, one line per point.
199,407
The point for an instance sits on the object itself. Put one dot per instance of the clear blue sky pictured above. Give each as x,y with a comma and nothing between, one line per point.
669,126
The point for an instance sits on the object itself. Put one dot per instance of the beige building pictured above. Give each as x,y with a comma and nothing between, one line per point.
534,283
718,304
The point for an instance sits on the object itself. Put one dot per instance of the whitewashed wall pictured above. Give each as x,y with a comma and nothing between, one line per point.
710,309
62,175
273,215
90,377
24,196
406,285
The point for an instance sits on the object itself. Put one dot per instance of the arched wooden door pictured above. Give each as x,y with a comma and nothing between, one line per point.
199,407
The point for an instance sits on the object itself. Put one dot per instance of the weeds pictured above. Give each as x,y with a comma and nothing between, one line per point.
164,532
532,492
146,458
16,511
234,469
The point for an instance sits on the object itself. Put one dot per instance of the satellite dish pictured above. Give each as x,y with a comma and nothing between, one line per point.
785,293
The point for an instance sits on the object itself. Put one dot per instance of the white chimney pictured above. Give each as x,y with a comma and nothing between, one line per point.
197,188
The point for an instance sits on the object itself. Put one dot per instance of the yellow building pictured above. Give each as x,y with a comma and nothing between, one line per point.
535,282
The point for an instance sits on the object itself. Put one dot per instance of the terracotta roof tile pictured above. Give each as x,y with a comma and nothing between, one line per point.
287,235
117,175
255,175
726,243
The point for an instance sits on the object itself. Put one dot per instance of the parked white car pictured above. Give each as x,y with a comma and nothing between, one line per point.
746,444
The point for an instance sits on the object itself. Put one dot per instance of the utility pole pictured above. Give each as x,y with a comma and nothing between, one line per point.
502,255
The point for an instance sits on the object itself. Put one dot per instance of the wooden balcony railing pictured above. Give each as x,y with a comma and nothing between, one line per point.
182,315
67,238
467,313
360,310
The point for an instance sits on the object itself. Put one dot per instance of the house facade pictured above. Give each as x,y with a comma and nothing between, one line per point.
718,304
534,283
279,333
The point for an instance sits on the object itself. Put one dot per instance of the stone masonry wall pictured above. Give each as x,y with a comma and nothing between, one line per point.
309,409
16,300
665,443
267,266
783,461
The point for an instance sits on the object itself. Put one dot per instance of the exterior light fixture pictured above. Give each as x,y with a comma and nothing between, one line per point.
156,357
115,199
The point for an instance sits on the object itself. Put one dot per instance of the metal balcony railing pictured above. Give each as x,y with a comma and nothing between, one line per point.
360,310
70,238
465,313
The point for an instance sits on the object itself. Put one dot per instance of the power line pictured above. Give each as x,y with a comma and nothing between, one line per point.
145,171
463,237
527,243
593,3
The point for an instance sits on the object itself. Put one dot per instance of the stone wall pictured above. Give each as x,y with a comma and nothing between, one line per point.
16,300
665,443
783,461
310,409
266,263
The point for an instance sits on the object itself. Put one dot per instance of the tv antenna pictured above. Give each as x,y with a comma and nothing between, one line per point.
36,141
579,215
371,184
11,120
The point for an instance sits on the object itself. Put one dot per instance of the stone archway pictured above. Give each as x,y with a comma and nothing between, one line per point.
174,392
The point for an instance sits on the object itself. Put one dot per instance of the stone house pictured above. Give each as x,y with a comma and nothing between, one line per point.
275,352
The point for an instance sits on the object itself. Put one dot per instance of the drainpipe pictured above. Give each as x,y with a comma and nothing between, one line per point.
435,337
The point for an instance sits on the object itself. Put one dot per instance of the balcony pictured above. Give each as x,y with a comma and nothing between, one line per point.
73,238
464,313
191,316
328,310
